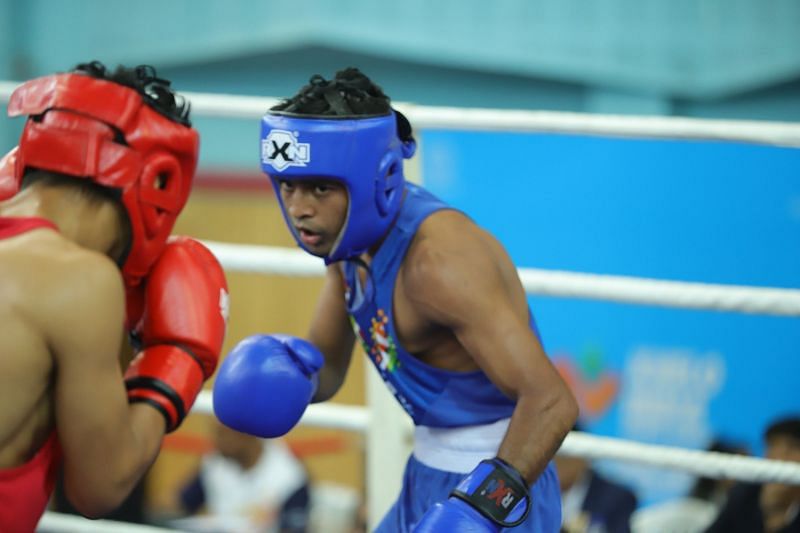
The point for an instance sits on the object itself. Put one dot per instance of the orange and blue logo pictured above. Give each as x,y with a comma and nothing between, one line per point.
595,387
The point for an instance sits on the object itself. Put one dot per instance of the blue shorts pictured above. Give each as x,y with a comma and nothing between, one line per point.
423,486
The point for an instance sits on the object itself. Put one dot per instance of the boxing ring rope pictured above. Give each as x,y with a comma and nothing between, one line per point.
579,444
681,294
429,117
688,295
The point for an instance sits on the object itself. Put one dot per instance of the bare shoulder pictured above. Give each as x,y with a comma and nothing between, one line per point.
451,261
75,284
60,291
71,263
448,244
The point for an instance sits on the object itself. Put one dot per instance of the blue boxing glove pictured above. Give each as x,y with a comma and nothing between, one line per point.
265,384
492,497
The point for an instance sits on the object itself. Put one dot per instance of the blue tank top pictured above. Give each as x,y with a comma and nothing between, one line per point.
431,396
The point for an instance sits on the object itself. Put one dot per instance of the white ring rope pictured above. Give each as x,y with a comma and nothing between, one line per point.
689,295
683,294
422,117
701,463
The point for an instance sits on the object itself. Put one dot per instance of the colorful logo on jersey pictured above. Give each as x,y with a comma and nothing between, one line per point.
383,350
379,344
384,355
595,387
359,333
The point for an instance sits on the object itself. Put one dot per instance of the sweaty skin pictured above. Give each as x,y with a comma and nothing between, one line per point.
458,306
62,309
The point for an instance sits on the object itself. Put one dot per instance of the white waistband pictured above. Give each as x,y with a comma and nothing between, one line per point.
460,449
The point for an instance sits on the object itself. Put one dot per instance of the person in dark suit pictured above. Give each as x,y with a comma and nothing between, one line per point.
767,507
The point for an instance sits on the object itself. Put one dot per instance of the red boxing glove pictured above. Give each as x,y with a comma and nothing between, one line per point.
181,329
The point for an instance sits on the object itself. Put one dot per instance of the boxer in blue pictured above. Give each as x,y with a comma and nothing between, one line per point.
435,302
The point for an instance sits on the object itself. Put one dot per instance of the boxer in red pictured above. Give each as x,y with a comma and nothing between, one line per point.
88,199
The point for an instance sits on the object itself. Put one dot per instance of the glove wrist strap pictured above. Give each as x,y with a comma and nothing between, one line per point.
167,377
497,491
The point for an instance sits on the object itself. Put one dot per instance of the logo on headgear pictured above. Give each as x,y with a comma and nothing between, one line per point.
280,149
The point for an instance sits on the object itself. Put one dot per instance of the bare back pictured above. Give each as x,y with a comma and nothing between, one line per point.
32,270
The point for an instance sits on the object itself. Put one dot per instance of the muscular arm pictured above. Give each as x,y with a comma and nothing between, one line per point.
467,286
331,332
107,444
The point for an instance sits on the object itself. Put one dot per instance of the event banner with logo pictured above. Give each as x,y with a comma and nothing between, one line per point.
704,211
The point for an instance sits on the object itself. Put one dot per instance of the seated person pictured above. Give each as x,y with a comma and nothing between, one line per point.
589,502
247,484
766,507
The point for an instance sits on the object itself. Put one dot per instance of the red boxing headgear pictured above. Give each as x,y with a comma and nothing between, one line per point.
100,130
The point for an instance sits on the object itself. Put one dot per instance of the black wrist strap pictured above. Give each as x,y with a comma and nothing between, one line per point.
498,494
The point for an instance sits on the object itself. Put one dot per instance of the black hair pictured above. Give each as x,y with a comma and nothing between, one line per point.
785,427
156,92
349,94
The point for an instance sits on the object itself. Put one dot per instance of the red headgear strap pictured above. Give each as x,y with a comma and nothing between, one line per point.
100,130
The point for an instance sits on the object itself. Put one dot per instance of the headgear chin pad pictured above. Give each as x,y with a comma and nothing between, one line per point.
364,153
99,130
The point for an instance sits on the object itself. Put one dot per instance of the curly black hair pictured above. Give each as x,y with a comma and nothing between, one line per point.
350,94
156,92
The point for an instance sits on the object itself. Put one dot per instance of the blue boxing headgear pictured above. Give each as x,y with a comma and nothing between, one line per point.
363,152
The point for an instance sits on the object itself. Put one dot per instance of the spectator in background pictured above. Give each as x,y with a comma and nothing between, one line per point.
589,502
247,484
692,513
712,490
767,507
